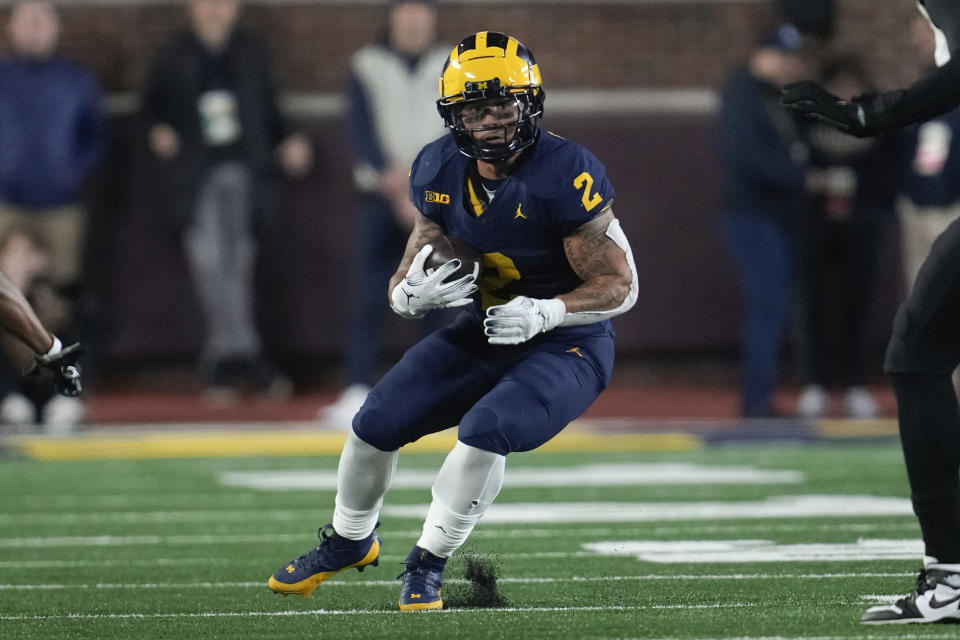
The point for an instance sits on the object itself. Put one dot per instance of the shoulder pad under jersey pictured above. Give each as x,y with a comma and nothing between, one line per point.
431,160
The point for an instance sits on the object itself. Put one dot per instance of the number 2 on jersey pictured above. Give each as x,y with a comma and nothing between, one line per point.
498,272
585,181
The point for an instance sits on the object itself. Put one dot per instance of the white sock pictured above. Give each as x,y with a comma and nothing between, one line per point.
468,481
363,476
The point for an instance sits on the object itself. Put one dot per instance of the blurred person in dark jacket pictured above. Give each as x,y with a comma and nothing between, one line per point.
763,158
852,183
390,116
52,137
210,106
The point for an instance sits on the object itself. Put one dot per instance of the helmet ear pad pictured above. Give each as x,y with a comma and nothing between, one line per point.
530,102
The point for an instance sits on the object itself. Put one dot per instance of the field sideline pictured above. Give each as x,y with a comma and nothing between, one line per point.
693,539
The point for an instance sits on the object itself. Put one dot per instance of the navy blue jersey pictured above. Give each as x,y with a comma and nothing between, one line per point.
557,186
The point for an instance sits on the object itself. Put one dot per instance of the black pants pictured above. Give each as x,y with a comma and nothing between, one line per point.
923,352
839,272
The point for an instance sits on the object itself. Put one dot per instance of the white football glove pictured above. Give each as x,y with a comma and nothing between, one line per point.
521,319
418,292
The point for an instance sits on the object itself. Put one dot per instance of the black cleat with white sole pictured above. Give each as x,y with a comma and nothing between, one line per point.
936,599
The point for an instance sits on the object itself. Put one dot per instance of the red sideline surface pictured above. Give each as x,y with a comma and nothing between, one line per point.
640,401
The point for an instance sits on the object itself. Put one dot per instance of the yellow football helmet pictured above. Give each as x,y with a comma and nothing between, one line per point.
490,67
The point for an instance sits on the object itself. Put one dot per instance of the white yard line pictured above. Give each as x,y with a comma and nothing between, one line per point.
592,475
881,598
394,583
107,540
356,612
18,565
305,516
754,551
789,507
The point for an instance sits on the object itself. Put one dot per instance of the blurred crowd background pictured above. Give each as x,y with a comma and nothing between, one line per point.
650,86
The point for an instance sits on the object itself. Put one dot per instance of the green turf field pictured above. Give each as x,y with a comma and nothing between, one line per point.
754,541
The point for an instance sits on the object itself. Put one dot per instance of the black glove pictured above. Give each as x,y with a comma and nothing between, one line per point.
855,117
61,367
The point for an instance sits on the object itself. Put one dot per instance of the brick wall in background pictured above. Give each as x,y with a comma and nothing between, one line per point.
589,44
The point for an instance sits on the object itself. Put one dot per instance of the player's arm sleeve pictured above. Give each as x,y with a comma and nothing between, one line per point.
931,96
935,93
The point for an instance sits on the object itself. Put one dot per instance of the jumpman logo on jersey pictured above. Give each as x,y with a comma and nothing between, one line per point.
519,213
575,350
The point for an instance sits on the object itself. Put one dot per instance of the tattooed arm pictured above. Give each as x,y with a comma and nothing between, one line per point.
605,266
424,232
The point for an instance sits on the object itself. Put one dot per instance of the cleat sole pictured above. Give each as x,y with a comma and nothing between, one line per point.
422,606
373,563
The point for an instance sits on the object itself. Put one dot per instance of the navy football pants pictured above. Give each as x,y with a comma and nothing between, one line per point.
504,398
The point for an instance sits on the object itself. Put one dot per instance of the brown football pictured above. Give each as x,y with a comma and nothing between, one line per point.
445,249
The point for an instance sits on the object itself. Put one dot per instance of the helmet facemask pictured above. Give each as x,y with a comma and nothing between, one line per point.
513,112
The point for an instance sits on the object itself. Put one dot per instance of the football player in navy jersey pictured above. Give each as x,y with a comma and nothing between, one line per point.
533,347
924,347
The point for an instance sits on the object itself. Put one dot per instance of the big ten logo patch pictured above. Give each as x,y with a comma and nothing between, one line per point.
433,196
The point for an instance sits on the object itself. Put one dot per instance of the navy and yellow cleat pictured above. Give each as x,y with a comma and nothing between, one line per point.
422,578
335,553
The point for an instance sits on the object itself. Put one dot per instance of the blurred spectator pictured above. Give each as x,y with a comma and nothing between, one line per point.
26,263
53,135
391,109
210,106
851,183
929,180
763,202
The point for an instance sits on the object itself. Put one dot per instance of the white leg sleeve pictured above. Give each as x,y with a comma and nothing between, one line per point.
363,477
468,481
